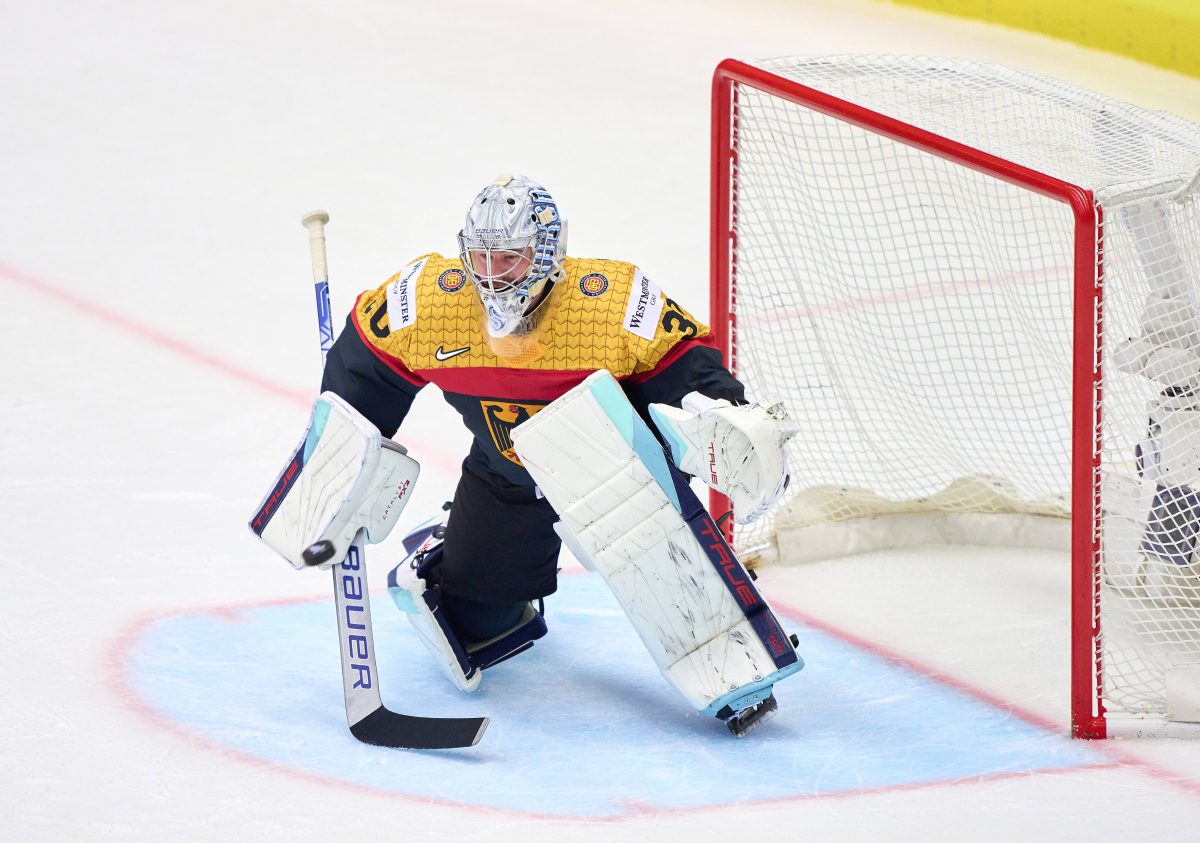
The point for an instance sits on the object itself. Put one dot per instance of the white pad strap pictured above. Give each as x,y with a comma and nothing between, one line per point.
627,513
736,450
343,477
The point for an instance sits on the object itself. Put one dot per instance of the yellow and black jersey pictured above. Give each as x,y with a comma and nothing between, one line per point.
424,325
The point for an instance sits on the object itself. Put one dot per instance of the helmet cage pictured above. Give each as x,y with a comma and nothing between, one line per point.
511,271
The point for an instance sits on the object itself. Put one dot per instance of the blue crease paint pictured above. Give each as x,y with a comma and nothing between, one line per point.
583,725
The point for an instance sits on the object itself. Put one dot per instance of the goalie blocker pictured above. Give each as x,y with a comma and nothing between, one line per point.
627,513
343,477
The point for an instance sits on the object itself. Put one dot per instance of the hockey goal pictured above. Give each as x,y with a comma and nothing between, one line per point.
978,290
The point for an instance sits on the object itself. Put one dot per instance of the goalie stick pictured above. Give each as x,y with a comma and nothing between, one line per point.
366,715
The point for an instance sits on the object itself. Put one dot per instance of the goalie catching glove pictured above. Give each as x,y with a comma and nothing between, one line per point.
736,450
343,478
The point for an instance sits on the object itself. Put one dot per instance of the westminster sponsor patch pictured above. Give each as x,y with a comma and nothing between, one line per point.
502,417
452,280
401,296
644,307
593,284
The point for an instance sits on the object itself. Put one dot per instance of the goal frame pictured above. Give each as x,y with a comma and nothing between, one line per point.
1087,701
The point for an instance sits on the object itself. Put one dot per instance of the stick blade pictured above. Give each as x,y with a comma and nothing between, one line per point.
405,731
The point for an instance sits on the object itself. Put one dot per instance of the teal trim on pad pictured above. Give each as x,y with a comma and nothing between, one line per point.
678,446
616,406
614,403
317,428
403,599
746,690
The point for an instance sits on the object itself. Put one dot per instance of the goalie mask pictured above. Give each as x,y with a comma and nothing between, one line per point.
512,244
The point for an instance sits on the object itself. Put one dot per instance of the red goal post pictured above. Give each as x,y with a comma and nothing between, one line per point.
827,174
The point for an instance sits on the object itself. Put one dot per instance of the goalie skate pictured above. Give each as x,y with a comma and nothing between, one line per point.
752,716
415,588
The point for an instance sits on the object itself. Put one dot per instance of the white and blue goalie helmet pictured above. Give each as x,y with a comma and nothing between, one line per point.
512,244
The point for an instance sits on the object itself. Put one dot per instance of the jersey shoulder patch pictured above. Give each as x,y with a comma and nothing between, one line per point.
384,314
629,323
652,322
402,294
427,317
643,307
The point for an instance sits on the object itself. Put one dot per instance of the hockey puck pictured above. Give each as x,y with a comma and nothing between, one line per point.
318,553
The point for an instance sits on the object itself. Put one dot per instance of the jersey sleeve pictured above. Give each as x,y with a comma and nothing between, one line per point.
693,366
679,358
382,392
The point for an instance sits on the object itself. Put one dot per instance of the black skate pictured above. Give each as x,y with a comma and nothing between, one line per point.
751,716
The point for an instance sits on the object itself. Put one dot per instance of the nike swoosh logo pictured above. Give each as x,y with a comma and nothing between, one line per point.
442,354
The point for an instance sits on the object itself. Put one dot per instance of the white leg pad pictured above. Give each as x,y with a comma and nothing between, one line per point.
627,514
737,653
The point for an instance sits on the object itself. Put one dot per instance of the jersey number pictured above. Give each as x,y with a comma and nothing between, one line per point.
674,320
379,324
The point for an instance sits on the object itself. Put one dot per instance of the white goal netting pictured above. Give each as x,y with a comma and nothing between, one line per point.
918,314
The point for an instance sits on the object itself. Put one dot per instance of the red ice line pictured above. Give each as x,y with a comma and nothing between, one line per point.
1108,747
194,354
122,688
151,335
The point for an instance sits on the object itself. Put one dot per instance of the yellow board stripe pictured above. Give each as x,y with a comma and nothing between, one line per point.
1160,32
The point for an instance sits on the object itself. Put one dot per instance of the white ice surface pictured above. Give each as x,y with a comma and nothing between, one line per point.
155,159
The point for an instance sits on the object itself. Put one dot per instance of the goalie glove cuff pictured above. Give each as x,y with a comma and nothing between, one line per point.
736,450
